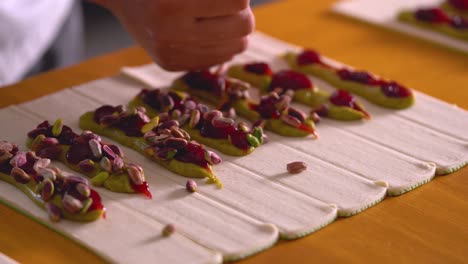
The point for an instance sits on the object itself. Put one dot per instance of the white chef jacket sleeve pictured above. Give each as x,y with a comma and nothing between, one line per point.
27,29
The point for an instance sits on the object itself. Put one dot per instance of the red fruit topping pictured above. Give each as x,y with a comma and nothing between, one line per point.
66,137
103,111
358,76
459,22
207,130
342,98
204,80
239,139
36,132
459,4
266,108
393,89
29,166
194,153
97,204
293,80
132,125
322,110
308,129
142,188
79,152
433,15
308,57
259,68
161,100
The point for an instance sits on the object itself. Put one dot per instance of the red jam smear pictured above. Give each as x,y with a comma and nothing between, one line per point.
363,77
259,68
307,57
395,90
205,80
389,88
459,4
142,188
308,129
344,98
432,15
97,203
439,16
291,80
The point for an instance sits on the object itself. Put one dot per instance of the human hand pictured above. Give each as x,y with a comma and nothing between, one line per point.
186,34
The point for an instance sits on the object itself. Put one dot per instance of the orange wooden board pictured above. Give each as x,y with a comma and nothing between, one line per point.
426,225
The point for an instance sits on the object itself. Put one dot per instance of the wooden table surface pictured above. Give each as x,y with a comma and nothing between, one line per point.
426,225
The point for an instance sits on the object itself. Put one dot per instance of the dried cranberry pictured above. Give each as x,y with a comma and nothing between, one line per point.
322,110
266,108
459,4
150,97
393,89
204,80
342,98
29,166
358,76
258,68
459,22
6,168
239,139
207,130
288,79
194,153
132,125
15,150
36,132
433,15
178,100
79,152
44,124
308,57
67,136
103,111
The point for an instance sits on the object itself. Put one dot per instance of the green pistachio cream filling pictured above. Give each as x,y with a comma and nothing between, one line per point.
384,93
443,28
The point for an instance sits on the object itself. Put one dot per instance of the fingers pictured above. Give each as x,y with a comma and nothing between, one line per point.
187,34
201,56
207,30
226,27
202,8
